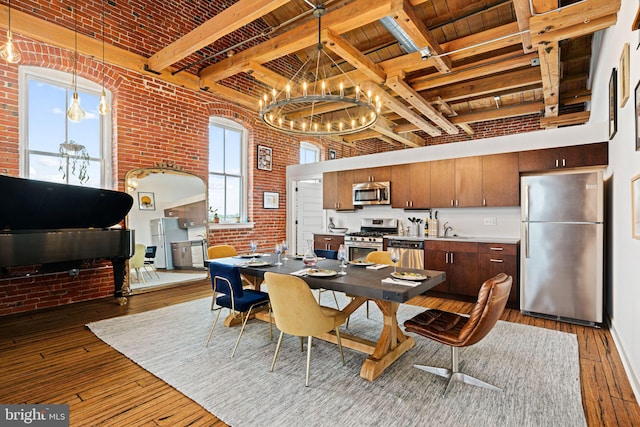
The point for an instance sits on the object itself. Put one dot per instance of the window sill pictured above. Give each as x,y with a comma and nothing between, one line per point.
231,226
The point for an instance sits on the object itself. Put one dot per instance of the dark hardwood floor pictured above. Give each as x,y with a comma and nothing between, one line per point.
50,357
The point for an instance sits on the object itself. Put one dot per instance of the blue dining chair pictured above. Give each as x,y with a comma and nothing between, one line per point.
328,254
225,280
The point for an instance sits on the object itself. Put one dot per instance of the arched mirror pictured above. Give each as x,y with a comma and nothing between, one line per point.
169,216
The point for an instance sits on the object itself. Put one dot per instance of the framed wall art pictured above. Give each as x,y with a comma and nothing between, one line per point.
637,113
264,158
146,201
635,206
270,200
625,89
613,104
332,154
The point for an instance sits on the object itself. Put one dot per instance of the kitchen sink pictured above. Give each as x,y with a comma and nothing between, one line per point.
453,237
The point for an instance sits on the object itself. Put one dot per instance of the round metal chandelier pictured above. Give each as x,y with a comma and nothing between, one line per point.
308,105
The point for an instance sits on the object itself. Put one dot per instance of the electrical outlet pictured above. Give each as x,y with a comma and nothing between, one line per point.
491,221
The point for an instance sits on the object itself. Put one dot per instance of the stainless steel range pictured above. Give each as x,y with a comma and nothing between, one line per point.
370,236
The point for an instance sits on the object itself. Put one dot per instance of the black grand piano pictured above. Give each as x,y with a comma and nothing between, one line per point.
59,227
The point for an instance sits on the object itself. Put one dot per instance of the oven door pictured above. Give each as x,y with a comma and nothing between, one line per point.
361,251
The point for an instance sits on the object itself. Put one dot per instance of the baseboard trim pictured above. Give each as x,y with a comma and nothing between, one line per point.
633,378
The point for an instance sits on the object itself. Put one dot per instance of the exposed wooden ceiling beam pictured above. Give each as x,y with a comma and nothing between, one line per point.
499,113
405,16
395,105
386,127
486,86
353,56
577,14
402,88
523,15
230,19
56,35
466,128
588,27
267,76
575,97
549,52
578,118
342,20
459,10
471,71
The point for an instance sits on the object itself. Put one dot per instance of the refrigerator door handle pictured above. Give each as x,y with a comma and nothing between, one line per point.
526,240
526,203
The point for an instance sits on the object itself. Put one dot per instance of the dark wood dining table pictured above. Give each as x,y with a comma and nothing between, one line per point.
362,285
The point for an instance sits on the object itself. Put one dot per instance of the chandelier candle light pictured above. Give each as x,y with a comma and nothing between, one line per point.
309,106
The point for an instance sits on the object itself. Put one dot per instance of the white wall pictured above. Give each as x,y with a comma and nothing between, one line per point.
624,163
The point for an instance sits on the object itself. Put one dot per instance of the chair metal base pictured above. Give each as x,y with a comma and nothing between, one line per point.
454,374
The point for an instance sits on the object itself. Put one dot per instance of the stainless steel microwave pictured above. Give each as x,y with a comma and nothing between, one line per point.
372,193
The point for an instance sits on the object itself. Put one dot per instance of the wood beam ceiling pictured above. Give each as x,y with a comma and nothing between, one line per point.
523,15
230,19
549,52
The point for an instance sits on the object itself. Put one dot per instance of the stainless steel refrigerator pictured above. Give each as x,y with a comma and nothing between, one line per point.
561,265
163,232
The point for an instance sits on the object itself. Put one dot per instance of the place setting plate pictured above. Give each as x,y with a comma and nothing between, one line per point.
256,263
362,263
405,275
256,255
316,272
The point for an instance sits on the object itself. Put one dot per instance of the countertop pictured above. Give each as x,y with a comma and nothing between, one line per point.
472,239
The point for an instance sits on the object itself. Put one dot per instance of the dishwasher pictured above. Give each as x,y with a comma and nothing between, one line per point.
411,252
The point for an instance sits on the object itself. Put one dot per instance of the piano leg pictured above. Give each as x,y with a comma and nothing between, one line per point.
119,271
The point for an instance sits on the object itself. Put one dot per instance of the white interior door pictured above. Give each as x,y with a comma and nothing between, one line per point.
308,213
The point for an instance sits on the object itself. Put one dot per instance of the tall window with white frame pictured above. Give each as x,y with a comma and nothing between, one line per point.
309,153
54,148
227,171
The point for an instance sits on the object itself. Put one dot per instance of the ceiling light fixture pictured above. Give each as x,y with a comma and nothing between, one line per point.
9,51
75,111
103,105
309,106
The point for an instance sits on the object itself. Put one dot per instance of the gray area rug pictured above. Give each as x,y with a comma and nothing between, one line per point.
536,368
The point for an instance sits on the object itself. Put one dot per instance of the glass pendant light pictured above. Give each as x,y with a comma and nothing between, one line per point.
75,111
9,51
103,105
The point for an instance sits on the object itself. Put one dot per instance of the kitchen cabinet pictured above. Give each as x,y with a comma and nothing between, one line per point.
337,190
189,215
494,258
329,242
500,180
411,185
379,174
458,260
564,157
456,182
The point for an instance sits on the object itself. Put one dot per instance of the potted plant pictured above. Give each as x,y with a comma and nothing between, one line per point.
74,160
216,218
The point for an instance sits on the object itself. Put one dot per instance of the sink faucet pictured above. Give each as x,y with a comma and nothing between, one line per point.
447,229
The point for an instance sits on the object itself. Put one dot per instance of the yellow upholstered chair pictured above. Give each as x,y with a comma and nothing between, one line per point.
380,257
298,313
136,262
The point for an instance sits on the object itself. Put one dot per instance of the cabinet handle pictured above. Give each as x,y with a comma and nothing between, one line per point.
556,162
496,249
484,202
452,202
411,202
564,162
446,257
456,202
327,238
451,257
496,260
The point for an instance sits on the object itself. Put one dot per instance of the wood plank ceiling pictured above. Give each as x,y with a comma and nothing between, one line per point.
488,59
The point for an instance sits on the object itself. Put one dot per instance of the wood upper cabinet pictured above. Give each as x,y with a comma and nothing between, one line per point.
500,180
564,157
456,182
337,190
410,186
442,183
379,174
468,182
329,242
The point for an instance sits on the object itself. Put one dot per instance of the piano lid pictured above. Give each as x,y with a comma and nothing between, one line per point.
37,205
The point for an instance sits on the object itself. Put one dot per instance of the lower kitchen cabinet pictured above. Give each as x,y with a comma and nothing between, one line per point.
329,242
469,264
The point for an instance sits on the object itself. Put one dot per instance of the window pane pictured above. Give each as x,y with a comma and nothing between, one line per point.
216,149
216,193
47,107
93,173
87,131
45,168
233,198
233,150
